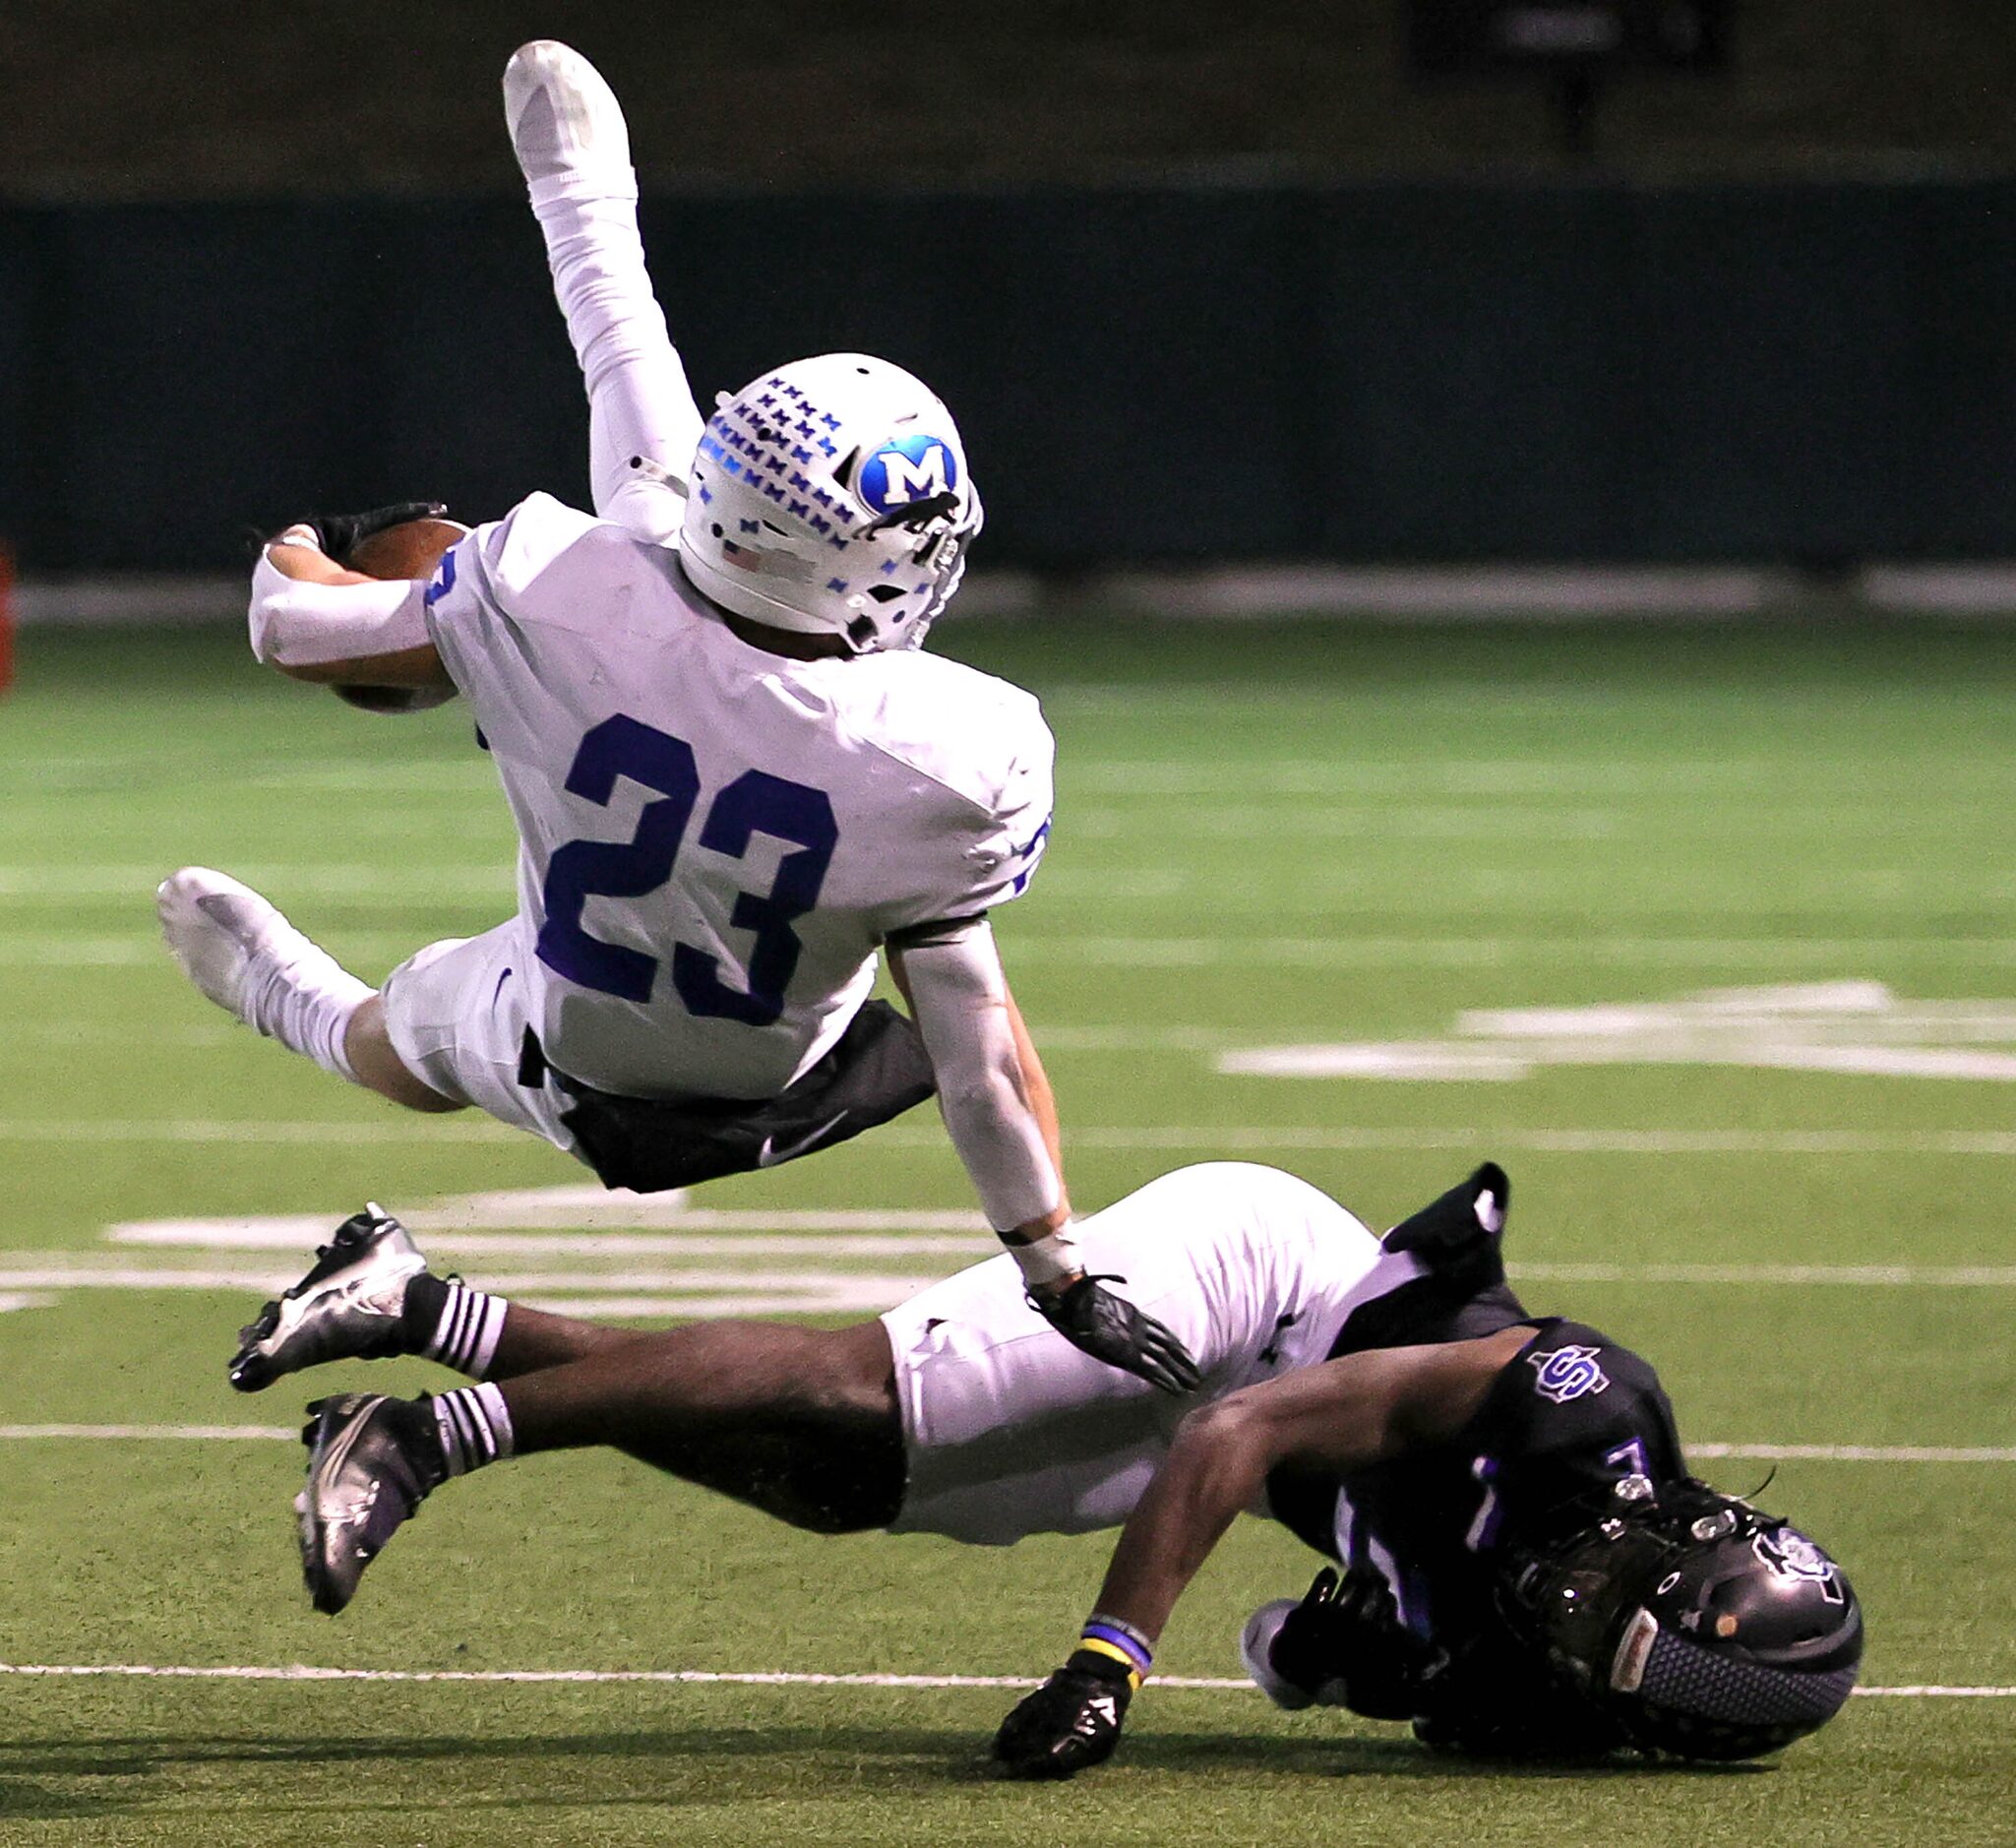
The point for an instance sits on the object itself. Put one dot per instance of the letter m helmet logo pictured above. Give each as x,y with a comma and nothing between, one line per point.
907,470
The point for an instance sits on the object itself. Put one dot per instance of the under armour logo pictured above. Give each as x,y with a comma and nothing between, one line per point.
1271,1355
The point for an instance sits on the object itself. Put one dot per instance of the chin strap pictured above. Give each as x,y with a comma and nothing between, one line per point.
914,514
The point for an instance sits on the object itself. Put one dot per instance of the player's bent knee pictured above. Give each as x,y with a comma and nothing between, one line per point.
848,1372
1222,1424
378,1067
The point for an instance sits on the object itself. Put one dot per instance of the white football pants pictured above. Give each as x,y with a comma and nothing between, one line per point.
1009,1430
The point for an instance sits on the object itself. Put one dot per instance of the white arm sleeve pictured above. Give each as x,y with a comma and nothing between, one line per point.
960,995
308,625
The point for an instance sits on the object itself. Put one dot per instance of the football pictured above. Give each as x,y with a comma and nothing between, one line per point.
409,550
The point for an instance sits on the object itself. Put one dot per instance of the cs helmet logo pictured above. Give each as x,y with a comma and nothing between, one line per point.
1791,1555
908,468
1567,1373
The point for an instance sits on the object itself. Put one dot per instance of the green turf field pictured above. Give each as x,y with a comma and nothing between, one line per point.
1267,837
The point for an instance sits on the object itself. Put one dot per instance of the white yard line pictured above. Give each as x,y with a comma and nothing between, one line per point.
1738,1453
153,1434
389,1130
1322,820
1342,951
1337,948
80,1275
120,1033
293,1237
491,878
142,948
708,1295
52,951
1656,779
694,1676
1062,1038
1664,781
536,1218
976,1243
1204,1139
1227,1139
771,1284
1892,1276
869,1296
1857,1453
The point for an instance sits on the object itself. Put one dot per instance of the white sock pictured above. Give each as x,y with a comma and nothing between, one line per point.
640,404
474,1424
304,999
467,1335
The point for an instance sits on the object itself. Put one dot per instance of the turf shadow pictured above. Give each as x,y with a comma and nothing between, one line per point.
24,1800
1394,1756
693,1759
692,1765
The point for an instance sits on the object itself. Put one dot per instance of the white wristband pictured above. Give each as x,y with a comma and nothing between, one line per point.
1048,1260
297,624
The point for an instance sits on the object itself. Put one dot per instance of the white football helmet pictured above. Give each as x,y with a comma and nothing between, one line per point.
830,497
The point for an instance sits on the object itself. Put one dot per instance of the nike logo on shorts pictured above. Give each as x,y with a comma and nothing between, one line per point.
769,1154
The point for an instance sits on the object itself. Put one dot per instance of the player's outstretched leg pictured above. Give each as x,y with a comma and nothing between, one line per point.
573,147
801,1423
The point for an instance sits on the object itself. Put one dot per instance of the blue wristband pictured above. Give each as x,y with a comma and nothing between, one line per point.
1123,1641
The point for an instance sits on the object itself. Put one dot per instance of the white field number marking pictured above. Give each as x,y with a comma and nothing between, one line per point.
1856,1028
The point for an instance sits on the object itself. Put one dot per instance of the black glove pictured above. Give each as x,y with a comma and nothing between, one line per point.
1071,1722
1347,1635
1106,1326
337,533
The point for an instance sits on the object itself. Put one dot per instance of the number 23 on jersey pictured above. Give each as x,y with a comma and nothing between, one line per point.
755,802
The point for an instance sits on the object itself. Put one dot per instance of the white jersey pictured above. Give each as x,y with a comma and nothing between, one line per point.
714,840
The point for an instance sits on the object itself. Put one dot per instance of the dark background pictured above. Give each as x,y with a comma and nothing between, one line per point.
1199,280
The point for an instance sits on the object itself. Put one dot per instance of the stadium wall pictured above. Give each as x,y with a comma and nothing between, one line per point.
1601,372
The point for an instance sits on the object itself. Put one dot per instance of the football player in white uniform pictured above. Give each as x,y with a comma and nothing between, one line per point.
735,777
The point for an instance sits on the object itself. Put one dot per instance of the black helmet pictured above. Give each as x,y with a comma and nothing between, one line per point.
1703,1626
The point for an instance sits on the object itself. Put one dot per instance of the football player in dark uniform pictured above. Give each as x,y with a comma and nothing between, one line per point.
1522,1566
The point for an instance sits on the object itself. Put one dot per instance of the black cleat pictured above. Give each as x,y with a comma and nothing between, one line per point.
372,1460
346,1307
